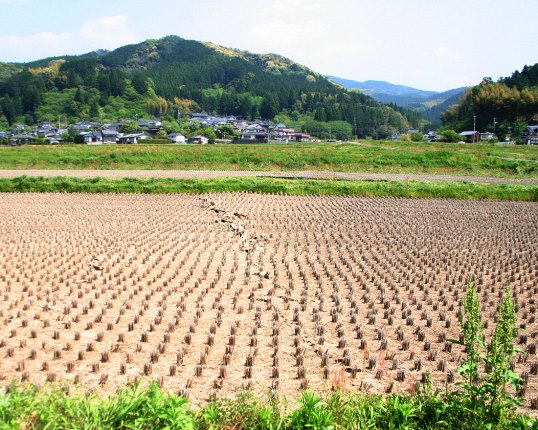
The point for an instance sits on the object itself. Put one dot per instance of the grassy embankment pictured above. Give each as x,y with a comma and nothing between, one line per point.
418,189
370,156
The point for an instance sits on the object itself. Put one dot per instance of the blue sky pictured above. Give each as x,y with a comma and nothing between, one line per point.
427,44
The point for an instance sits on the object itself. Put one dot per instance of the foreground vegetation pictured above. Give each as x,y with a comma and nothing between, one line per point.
152,408
418,189
483,400
369,156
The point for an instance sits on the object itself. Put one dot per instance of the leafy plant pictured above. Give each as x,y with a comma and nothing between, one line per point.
311,414
473,340
500,354
488,396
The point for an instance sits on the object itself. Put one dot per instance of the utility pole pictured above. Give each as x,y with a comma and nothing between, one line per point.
474,128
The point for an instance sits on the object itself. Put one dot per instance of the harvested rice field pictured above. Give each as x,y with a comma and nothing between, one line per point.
210,293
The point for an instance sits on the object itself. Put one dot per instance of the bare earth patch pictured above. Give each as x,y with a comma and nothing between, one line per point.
210,293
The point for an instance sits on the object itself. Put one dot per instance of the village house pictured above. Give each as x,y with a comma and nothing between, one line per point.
177,137
470,136
301,137
152,124
486,136
199,139
284,133
20,139
99,137
530,135
132,138
432,136
253,136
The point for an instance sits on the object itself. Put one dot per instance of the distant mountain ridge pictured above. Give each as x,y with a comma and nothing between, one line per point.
430,103
371,87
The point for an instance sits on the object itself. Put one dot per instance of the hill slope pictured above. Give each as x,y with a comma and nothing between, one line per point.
156,77
511,102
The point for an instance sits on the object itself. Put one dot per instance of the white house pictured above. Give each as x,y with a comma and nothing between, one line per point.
177,138
486,136
133,138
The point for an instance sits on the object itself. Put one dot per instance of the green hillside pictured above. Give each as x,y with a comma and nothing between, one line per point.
511,102
158,77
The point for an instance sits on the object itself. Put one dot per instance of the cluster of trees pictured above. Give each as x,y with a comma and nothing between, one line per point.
511,102
162,77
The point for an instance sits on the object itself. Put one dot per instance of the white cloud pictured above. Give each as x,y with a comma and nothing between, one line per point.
107,32
291,9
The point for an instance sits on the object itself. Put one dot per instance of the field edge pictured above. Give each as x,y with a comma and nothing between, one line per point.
463,190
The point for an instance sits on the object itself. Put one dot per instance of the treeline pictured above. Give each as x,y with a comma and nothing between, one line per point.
511,103
171,75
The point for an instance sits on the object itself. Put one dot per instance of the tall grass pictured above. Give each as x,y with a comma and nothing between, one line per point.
422,189
485,160
133,407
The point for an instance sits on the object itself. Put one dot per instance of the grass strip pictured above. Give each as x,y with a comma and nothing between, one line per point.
371,156
265,185
133,407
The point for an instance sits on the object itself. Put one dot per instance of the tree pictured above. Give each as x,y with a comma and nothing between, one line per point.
269,107
4,124
161,134
417,137
341,130
209,133
94,110
139,83
450,136
171,126
227,131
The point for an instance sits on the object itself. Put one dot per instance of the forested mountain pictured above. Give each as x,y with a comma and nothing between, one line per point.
430,103
512,103
162,77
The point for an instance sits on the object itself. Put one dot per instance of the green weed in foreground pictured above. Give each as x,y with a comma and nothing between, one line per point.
26,407
264,185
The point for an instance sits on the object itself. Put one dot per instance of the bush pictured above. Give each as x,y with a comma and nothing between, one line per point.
450,136
417,137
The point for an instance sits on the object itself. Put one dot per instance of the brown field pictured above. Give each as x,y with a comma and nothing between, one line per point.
210,293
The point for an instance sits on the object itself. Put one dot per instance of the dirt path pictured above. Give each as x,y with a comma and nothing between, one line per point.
183,174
